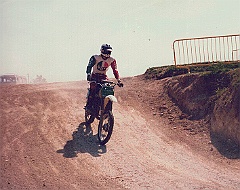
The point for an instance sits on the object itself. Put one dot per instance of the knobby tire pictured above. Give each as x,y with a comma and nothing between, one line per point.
101,124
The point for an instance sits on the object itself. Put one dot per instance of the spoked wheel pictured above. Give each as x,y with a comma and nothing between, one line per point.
89,118
105,127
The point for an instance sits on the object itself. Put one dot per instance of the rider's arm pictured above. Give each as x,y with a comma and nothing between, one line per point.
91,63
114,68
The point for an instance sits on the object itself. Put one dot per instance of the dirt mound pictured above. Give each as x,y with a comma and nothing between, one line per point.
195,93
214,97
45,143
225,119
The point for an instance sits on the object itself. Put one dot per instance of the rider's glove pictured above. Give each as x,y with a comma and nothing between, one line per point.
120,84
88,77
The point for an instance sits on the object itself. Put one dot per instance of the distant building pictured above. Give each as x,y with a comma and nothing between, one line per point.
13,79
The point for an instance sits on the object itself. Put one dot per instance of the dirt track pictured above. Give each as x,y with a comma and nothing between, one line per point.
46,145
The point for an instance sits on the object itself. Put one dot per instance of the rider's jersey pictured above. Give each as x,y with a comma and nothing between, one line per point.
100,66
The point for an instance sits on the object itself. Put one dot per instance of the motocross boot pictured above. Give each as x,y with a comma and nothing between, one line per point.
89,104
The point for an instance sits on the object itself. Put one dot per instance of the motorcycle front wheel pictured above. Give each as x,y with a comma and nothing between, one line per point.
105,127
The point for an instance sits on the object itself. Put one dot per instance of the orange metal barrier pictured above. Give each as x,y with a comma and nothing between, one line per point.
206,50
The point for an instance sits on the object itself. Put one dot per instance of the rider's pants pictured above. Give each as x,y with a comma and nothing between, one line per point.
93,90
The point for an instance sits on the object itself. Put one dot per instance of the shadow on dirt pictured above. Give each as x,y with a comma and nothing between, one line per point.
226,147
83,142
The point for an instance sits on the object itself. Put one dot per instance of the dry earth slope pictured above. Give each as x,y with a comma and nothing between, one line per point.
46,145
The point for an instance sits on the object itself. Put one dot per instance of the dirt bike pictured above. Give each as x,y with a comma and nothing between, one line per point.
102,110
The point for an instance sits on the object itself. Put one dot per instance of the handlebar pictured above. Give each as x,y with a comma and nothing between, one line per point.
107,81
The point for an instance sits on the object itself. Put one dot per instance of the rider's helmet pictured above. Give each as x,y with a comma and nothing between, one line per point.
106,50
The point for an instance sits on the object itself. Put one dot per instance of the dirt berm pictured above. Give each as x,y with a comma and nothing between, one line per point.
213,96
166,136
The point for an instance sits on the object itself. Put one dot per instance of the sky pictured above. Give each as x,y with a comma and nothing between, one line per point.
56,38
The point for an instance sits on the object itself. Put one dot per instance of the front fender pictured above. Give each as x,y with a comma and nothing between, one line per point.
109,98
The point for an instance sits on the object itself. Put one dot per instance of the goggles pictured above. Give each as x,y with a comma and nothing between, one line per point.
106,53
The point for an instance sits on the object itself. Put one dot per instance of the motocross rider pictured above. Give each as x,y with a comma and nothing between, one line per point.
99,65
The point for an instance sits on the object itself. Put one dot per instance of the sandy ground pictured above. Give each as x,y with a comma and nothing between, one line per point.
45,144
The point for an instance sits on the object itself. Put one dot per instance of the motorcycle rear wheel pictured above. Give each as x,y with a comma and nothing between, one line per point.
105,127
